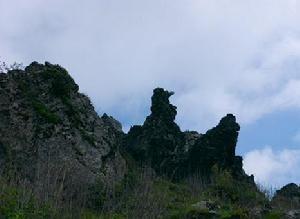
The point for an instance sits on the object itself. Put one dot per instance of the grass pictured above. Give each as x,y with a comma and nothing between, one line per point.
149,196
16,202
141,194
274,215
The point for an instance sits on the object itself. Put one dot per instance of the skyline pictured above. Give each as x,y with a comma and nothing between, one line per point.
218,57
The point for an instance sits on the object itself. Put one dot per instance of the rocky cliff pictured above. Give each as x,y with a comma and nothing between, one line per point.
50,133
47,125
52,138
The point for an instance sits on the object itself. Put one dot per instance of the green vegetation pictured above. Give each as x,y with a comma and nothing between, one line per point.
274,215
62,83
16,202
45,113
142,194
233,191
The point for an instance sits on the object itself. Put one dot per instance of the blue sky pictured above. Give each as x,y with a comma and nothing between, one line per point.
219,56
279,129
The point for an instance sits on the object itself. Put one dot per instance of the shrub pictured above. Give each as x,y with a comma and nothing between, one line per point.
19,203
234,191
62,83
273,215
44,112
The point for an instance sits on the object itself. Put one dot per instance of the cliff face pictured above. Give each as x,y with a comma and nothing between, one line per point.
50,133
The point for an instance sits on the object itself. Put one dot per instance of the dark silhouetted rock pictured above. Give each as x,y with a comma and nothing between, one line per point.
216,146
159,141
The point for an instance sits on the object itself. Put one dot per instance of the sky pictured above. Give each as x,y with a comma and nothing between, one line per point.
218,56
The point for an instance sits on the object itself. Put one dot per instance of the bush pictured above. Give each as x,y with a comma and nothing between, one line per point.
62,83
18,203
45,113
233,191
274,215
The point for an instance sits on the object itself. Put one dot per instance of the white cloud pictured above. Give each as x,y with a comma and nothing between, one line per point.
218,56
274,168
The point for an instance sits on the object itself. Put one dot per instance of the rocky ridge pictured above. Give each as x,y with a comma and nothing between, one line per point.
51,136
160,143
51,132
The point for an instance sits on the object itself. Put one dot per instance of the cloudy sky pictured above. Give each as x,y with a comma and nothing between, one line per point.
219,56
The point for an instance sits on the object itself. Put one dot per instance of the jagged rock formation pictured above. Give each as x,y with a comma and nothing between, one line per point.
46,122
217,147
50,132
160,142
51,136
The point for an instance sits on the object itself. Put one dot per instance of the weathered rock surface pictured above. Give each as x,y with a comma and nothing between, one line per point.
51,136
160,142
288,199
217,147
47,124
49,132
291,190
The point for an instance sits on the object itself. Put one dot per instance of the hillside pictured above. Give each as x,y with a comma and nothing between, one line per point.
59,159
